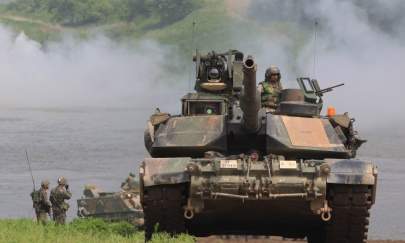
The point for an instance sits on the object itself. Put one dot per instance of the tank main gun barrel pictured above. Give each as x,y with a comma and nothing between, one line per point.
250,102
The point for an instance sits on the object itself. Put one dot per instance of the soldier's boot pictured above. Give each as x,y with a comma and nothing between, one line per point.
60,218
42,218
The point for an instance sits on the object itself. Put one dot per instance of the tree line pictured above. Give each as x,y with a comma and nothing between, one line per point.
81,12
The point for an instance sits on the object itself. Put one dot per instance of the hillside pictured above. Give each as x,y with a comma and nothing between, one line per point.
45,20
205,24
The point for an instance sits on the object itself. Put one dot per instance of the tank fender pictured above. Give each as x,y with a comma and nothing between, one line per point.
352,172
158,171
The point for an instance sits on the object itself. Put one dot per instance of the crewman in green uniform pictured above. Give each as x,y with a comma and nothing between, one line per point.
58,196
270,89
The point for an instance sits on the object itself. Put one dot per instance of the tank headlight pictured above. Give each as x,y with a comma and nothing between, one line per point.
325,169
192,168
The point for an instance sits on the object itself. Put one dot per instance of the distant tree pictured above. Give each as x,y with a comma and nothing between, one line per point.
170,11
137,8
76,12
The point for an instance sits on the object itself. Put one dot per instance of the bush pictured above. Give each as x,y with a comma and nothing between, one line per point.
81,12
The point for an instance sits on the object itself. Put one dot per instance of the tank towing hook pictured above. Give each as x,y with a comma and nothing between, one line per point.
325,212
189,211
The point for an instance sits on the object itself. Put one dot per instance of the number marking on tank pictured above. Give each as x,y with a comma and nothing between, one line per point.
228,164
288,164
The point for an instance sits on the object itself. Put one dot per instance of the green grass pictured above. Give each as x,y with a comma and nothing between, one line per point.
89,231
34,31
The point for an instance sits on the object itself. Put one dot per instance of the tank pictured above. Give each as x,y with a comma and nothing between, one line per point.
112,206
227,166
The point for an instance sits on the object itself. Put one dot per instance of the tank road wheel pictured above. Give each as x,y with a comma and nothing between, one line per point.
350,215
163,209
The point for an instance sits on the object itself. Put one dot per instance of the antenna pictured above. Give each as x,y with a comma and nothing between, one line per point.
192,47
29,167
316,23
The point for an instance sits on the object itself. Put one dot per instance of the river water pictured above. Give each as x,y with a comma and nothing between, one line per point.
101,146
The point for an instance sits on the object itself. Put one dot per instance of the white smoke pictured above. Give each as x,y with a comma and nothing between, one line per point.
369,61
352,47
98,72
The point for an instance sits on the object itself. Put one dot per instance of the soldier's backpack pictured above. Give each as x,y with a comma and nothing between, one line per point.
36,198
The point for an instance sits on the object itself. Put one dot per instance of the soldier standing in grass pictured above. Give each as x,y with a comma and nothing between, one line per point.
41,203
131,183
58,196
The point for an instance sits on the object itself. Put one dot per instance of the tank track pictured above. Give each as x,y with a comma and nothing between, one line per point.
163,209
350,215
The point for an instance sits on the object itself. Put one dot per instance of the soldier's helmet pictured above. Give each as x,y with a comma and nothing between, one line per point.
45,183
272,70
62,181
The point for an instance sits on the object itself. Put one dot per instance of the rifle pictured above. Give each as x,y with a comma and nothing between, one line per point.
322,91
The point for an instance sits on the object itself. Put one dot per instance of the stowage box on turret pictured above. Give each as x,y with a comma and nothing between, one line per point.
226,166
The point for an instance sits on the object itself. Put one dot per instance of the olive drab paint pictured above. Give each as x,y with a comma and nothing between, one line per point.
123,205
229,165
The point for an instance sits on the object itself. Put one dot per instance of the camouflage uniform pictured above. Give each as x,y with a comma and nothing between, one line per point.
41,203
58,196
270,90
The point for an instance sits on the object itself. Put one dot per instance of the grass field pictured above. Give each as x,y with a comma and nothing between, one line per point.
89,231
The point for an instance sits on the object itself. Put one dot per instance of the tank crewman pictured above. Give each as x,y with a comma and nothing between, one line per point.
270,89
58,196
41,203
130,184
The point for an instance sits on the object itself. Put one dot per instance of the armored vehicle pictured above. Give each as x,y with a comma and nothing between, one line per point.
112,206
226,166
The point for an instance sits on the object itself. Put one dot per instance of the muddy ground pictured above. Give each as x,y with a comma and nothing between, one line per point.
270,240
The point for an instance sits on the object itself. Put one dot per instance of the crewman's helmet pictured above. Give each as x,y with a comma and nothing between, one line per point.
273,70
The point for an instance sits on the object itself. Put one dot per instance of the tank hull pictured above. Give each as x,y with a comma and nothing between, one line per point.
273,197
